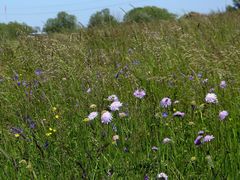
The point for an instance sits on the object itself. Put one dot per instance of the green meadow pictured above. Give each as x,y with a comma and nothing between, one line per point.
50,84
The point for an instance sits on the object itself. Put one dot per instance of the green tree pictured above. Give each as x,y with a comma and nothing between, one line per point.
102,18
64,22
147,14
236,4
14,29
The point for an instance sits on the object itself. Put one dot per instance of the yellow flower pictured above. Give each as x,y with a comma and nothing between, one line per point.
92,106
54,130
48,134
50,129
174,109
193,158
54,109
17,135
86,120
57,116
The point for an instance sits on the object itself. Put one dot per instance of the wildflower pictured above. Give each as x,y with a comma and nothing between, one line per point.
198,140
166,102
208,138
154,148
223,84
92,115
64,79
211,98
199,75
191,77
92,106
38,72
48,134
200,132
15,130
146,177
162,176
106,117
86,120
17,135
54,109
193,158
139,93
223,115
122,114
57,116
211,90
115,137
179,114
176,102
164,114
112,98
89,90
52,129
166,140
205,81
115,106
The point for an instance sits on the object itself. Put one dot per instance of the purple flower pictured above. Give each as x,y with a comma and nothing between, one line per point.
208,138
19,83
106,117
164,114
38,72
211,98
146,177
139,93
179,114
115,106
199,75
191,77
15,130
200,132
223,84
223,115
166,102
198,141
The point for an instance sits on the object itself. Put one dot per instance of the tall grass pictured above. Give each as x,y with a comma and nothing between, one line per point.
164,59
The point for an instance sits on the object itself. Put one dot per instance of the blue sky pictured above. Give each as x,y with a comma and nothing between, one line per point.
35,13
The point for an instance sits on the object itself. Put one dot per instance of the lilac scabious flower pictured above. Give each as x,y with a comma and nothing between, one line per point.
115,106
191,77
139,93
162,176
199,75
38,72
208,138
166,140
179,114
223,115
112,98
106,117
200,132
166,102
92,115
146,177
164,114
223,84
198,140
211,98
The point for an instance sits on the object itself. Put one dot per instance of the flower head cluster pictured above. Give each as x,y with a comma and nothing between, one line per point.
211,98
223,115
106,117
202,139
115,106
166,102
162,176
223,84
139,93
179,114
112,98
92,115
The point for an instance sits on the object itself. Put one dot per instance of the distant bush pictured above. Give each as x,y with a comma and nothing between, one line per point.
14,29
147,14
64,22
102,18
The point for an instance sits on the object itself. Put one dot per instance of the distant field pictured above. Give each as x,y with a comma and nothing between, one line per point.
49,85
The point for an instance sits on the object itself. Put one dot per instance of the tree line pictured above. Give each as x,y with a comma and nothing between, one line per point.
65,22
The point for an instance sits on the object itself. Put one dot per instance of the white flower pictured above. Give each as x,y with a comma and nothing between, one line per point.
166,140
211,98
106,117
112,98
92,115
115,106
162,176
